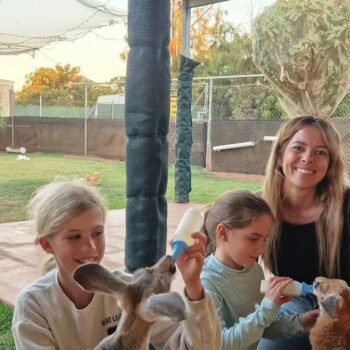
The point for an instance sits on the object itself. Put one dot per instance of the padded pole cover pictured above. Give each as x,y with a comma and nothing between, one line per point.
184,130
147,108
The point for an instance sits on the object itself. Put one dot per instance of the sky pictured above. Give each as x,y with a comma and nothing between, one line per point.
97,53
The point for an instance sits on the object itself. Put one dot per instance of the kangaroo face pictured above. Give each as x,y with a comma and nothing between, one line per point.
333,296
156,279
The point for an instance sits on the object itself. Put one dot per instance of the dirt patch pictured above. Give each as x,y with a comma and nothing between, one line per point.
220,175
93,158
239,176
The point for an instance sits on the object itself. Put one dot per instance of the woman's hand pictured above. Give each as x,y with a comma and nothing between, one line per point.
190,264
275,288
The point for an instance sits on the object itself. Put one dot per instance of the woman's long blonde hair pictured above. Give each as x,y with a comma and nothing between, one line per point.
329,194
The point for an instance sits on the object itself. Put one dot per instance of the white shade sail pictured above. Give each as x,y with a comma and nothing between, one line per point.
26,26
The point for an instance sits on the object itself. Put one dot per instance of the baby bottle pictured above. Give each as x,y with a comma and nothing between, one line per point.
293,289
191,221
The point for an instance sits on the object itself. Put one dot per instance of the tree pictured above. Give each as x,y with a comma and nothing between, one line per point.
302,47
55,84
230,53
221,47
205,23
58,87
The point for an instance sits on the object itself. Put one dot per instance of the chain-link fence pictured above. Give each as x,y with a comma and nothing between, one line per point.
244,116
234,121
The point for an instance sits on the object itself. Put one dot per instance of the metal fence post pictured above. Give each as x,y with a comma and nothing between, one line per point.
12,114
85,124
206,99
208,148
40,106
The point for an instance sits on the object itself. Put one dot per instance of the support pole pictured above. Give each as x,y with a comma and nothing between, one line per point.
184,130
85,121
12,114
147,108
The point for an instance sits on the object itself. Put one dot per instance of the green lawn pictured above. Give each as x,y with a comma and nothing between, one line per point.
18,180
6,340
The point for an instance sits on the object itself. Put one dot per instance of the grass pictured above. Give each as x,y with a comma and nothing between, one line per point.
19,179
6,340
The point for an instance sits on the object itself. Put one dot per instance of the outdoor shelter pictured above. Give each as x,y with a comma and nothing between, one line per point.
27,26
110,106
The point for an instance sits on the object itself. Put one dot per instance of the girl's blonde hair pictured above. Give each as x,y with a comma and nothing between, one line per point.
234,209
54,204
329,193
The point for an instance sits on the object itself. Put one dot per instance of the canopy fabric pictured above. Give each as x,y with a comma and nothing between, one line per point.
26,26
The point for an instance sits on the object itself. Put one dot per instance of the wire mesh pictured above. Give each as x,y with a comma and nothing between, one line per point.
234,121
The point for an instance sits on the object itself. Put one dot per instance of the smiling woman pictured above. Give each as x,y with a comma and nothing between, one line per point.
307,190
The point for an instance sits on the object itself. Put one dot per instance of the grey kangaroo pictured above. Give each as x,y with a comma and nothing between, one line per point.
145,298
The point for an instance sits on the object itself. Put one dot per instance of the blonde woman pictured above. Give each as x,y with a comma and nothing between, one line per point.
306,188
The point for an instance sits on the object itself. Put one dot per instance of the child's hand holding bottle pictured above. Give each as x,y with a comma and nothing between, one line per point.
190,264
191,221
189,251
274,289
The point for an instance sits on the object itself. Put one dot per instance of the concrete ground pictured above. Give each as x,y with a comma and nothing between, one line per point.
21,260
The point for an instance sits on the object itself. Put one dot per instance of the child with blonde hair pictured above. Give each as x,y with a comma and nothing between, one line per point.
237,226
54,312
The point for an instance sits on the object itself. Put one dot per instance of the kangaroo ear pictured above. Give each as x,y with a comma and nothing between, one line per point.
97,279
330,305
168,305
124,276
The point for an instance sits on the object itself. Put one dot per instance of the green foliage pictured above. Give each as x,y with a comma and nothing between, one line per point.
343,109
244,99
63,86
6,340
230,53
270,107
303,48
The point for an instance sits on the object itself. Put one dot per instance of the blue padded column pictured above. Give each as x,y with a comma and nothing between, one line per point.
147,107
184,130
